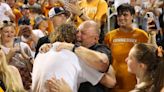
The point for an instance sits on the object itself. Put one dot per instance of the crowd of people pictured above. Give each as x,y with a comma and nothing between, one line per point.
68,46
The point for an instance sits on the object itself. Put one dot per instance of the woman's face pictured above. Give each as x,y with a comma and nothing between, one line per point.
132,63
8,33
43,25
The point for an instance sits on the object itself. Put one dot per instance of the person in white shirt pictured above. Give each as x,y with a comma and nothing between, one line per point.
63,64
6,12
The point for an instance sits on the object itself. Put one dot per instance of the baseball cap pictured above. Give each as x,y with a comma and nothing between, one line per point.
23,7
39,19
56,11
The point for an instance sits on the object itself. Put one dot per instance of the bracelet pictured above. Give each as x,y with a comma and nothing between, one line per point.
81,15
74,47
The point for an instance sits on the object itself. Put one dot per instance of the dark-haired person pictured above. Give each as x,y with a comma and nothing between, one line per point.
120,41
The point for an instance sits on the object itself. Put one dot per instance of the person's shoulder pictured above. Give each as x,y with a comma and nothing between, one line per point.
38,33
100,46
112,31
5,5
140,31
44,38
102,1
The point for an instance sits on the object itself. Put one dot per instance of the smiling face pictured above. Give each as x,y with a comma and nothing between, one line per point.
133,64
125,15
8,33
124,19
43,25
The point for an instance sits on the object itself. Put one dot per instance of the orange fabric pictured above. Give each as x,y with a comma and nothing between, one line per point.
47,7
1,90
50,27
18,15
95,10
45,10
120,44
19,4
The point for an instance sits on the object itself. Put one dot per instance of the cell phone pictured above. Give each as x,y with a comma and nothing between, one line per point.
17,42
153,23
148,15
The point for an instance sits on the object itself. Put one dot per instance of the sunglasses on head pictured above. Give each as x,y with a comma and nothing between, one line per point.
7,22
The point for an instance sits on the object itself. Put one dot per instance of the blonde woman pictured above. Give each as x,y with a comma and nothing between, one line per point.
10,76
17,53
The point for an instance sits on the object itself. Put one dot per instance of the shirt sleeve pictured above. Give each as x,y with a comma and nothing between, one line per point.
102,10
104,49
89,74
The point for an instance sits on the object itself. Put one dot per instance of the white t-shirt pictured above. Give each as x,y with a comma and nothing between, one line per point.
119,2
38,33
3,8
16,60
64,64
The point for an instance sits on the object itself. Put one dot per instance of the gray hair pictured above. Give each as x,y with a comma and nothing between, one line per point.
89,23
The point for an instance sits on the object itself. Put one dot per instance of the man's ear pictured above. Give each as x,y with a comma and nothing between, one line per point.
96,38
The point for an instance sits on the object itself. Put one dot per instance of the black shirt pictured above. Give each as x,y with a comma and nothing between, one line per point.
2,85
41,41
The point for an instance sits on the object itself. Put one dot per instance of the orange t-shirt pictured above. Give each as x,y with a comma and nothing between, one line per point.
47,7
18,15
45,10
1,90
120,44
95,10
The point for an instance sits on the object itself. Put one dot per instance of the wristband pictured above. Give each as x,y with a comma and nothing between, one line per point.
81,15
74,47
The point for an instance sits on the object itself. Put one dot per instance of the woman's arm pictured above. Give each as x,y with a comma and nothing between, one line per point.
54,85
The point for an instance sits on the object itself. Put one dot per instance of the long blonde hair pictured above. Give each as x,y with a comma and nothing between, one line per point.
8,77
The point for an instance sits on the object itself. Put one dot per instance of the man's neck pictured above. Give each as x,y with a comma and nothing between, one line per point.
91,46
126,29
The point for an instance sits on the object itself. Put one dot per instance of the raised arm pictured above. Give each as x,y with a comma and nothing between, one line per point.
94,59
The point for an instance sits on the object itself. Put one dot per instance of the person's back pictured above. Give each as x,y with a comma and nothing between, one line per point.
63,64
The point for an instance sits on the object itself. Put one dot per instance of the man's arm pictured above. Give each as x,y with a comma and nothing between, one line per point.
10,15
94,59
109,79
